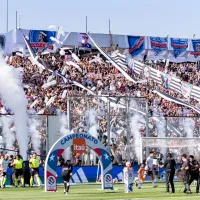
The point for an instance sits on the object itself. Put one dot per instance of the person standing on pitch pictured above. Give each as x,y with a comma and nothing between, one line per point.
5,163
34,169
170,168
18,169
149,168
66,174
194,172
185,173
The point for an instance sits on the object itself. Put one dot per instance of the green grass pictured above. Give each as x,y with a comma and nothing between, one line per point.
94,192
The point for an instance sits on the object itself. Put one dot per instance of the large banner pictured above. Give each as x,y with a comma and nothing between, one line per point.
40,40
194,54
178,49
158,48
137,46
88,174
84,42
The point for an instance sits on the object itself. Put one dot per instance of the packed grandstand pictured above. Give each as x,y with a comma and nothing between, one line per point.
86,81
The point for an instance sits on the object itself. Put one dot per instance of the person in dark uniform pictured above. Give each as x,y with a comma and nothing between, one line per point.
170,168
194,172
61,161
66,174
185,173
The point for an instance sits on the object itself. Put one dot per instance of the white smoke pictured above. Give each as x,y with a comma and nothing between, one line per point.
136,124
135,129
161,133
93,128
188,125
161,129
14,97
65,131
8,134
92,115
35,134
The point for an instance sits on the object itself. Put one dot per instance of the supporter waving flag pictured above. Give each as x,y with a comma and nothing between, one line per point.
112,61
130,63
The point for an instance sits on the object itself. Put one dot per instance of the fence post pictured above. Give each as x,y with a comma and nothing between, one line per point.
108,123
88,127
141,151
68,113
147,125
128,128
47,140
166,127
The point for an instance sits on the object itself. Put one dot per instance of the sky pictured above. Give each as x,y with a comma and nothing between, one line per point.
176,18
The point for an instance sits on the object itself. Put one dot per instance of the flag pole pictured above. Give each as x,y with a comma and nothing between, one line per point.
7,15
16,19
109,25
86,24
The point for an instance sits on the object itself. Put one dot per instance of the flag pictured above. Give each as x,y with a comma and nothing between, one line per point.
39,62
55,73
112,61
130,63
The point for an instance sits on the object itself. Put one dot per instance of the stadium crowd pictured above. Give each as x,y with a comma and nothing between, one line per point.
103,79
188,72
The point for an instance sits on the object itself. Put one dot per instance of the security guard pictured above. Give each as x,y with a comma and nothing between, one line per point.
170,168
18,170
194,172
34,167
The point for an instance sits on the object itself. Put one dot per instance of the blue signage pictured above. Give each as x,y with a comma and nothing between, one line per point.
179,46
136,45
158,44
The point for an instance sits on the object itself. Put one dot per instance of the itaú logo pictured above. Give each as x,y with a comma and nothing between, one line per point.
79,145
79,148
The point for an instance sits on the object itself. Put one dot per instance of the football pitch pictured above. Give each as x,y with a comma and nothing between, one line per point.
93,191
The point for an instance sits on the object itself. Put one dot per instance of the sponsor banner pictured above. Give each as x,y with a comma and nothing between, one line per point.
194,54
128,179
178,47
86,174
158,48
186,90
40,40
79,145
137,46
79,142
84,42
51,183
108,181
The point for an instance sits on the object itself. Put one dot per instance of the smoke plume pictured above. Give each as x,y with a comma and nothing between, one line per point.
35,134
65,131
8,134
14,97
